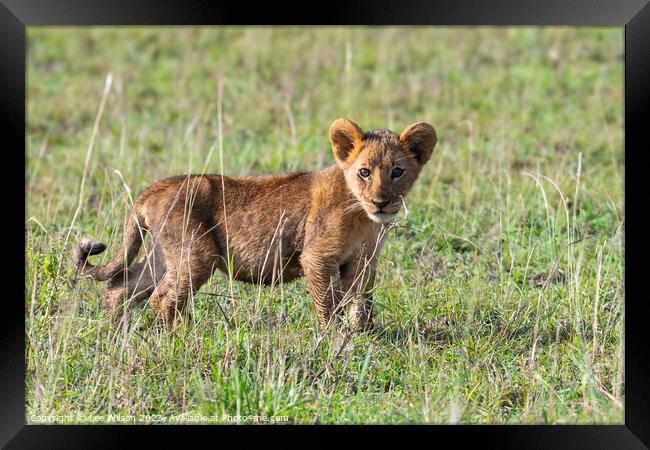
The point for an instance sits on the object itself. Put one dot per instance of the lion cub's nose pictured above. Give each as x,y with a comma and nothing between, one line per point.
380,204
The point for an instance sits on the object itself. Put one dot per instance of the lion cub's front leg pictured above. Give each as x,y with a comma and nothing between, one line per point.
324,285
357,281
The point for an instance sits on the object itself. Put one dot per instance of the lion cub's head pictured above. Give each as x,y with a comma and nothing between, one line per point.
381,166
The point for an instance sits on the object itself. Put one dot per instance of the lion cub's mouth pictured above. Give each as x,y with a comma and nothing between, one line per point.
381,217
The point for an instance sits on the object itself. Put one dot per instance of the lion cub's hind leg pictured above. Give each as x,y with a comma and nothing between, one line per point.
136,284
186,273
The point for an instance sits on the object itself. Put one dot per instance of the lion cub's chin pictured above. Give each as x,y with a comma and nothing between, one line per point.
381,217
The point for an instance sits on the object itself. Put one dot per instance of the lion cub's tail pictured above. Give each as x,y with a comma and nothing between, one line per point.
88,247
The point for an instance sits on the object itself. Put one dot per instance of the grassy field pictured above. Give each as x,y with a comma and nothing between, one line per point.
501,298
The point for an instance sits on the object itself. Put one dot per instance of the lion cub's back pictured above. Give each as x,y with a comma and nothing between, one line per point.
251,211
264,213
168,200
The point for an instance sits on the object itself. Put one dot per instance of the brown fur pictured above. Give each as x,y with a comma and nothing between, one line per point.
323,225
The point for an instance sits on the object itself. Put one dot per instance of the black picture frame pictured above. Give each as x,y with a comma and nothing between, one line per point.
634,15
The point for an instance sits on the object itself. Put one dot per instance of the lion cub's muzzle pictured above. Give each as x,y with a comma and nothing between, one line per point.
386,206
382,211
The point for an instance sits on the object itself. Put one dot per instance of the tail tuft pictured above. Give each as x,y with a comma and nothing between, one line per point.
86,248
124,258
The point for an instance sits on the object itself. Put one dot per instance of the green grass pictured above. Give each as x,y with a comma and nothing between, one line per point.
502,298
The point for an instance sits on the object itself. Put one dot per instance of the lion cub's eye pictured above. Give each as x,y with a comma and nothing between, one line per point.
397,172
364,173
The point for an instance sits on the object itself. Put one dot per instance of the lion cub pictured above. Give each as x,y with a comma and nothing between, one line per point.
327,225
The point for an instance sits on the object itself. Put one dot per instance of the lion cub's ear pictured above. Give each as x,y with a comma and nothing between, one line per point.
344,136
420,139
